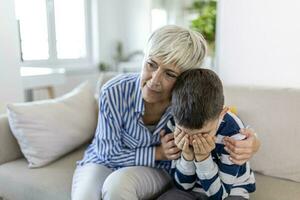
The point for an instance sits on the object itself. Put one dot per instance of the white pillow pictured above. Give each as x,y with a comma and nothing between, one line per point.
48,129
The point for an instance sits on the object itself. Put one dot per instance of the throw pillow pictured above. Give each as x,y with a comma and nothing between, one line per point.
49,129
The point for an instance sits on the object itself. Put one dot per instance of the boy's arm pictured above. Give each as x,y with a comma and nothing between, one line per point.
184,173
216,179
218,176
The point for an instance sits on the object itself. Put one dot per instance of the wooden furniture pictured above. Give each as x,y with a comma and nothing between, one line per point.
41,78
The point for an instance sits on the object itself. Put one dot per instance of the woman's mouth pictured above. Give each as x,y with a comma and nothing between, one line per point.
152,89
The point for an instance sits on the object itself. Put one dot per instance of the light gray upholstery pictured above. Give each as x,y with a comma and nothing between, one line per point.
270,188
52,182
9,148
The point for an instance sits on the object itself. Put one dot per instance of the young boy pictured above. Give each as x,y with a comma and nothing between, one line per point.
201,123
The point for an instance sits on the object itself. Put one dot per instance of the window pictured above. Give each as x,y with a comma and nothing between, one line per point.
53,31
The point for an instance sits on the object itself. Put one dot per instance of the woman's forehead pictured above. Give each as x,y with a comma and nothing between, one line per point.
170,66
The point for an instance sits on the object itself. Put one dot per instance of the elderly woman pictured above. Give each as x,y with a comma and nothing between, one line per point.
130,155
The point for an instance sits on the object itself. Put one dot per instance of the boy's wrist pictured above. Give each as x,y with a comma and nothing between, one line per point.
200,158
188,157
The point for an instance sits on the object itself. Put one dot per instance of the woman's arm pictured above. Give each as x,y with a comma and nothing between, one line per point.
114,147
241,151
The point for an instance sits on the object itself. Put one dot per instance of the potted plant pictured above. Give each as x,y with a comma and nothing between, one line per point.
205,22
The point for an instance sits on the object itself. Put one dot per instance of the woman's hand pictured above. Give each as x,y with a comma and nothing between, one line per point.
167,150
182,142
242,150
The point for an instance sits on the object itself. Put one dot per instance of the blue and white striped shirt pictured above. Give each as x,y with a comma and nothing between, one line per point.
217,176
122,139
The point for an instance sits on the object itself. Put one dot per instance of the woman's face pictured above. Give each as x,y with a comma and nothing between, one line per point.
157,81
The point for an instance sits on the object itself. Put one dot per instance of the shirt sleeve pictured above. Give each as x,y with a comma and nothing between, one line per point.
114,145
219,179
184,174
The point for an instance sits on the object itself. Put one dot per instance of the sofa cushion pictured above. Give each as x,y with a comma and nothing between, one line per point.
54,181
274,114
9,148
48,129
270,188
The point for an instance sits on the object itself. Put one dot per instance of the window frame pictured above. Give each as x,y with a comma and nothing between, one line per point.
53,61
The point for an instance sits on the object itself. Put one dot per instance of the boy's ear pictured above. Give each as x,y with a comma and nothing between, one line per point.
223,112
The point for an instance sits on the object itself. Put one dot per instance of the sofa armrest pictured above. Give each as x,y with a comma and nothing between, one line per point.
9,148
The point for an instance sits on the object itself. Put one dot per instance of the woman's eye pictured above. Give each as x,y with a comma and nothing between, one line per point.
151,65
171,75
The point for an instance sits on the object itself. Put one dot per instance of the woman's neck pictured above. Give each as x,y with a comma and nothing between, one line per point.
154,111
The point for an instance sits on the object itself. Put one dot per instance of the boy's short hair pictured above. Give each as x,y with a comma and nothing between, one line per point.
197,98
177,45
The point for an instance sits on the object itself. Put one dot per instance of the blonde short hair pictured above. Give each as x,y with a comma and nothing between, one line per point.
177,45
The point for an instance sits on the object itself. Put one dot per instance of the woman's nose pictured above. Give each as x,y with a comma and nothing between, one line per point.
156,77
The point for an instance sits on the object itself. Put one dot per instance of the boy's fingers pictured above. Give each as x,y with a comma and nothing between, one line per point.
211,140
186,145
181,143
177,131
179,137
200,145
205,144
195,146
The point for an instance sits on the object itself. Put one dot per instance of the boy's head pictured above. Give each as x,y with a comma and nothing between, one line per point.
198,101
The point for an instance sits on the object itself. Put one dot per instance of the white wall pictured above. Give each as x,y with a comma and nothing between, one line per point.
135,24
109,15
10,81
126,21
258,42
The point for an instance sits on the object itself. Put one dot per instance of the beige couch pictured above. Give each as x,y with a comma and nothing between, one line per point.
272,112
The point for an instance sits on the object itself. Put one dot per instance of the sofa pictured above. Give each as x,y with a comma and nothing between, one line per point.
272,112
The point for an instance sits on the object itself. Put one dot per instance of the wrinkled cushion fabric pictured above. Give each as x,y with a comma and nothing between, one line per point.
48,129
274,114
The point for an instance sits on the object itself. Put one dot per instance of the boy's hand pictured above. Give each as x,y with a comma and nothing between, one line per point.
182,142
167,150
203,145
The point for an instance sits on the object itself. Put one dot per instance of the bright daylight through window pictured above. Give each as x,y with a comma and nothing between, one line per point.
52,30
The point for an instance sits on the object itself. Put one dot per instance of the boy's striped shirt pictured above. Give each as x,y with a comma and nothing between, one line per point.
217,176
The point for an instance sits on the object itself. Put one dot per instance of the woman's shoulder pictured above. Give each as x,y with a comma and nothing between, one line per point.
122,80
121,88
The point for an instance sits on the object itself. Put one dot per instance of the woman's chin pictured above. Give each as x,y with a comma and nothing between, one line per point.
154,97
151,99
